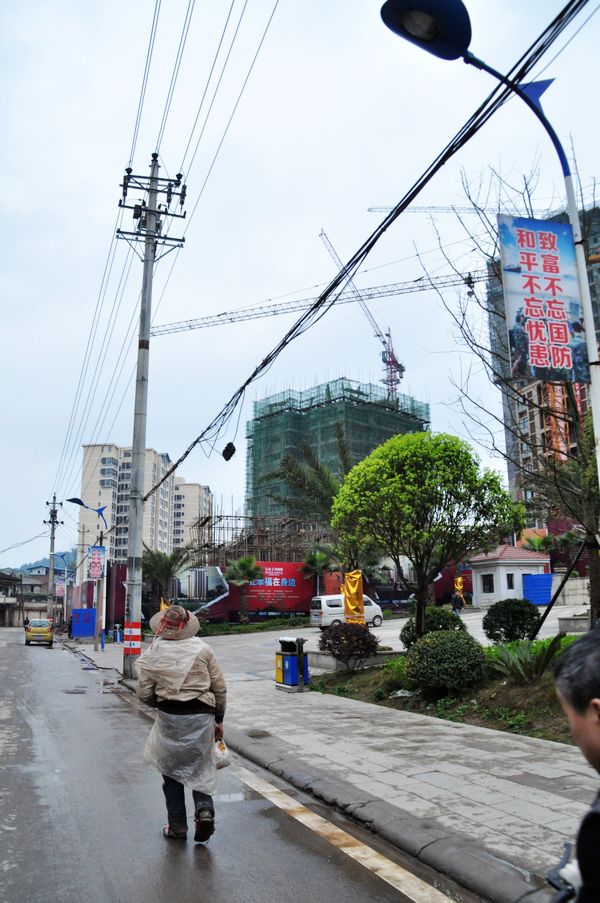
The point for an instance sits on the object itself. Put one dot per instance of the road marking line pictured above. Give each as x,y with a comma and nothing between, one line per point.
411,886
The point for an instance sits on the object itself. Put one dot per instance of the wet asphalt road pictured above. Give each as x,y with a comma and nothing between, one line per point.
81,814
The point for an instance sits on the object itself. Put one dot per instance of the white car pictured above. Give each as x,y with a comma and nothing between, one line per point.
328,610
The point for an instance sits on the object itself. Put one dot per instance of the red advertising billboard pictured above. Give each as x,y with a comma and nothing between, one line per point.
282,585
283,589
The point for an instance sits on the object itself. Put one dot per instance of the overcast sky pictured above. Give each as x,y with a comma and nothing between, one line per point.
337,115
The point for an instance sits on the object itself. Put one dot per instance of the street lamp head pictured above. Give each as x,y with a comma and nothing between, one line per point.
442,27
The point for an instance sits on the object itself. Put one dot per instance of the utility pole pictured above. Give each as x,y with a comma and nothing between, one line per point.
99,606
53,524
150,217
82,547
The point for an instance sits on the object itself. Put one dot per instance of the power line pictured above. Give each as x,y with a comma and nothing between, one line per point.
144,80
235,106
94,380
17,545
216,90
210,74
88,350
183,39
175,73
328,297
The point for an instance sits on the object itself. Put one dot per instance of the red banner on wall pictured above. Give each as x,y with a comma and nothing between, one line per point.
282,585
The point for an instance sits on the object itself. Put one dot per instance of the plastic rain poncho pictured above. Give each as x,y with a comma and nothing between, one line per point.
180,746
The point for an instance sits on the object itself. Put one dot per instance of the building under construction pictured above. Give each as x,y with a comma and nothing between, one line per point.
368,414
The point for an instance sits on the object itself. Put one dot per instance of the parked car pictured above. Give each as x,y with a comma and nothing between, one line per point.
39,630
328,610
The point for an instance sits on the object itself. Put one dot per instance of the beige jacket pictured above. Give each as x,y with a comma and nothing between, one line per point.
182,670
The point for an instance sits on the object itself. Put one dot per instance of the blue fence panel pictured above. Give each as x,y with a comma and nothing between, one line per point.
84,622
537,588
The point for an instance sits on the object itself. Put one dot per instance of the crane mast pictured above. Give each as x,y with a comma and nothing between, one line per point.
394,370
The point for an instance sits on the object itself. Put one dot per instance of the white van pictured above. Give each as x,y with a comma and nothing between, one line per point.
328,610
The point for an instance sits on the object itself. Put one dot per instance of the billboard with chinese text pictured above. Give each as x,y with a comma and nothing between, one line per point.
282,586
544,318
95,562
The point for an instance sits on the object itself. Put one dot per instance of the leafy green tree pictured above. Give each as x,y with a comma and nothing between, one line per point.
159,569
424,496
242,572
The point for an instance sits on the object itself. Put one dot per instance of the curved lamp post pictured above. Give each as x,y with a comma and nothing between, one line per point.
443,28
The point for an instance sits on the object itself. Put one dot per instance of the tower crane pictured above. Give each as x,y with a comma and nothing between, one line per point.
394,370
421,284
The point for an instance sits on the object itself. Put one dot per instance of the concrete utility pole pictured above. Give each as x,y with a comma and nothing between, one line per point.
149,216
53,524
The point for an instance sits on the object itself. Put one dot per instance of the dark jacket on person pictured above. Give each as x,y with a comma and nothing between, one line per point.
588,847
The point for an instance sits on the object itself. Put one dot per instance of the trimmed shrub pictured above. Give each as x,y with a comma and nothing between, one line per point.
510,619
446,661
351,644
435,619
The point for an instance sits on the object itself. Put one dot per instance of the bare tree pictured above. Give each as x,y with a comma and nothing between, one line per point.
543,430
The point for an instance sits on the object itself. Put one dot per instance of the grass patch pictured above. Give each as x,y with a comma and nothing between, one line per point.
255,627
532,711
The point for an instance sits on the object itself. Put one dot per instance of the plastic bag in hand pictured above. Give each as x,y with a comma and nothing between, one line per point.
222,756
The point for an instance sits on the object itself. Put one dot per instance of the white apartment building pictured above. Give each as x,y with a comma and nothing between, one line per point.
191,501
106,480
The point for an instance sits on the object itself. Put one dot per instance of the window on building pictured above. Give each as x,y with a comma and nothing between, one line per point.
487,583
510,581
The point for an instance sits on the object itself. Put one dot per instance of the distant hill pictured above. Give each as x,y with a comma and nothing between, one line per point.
70,555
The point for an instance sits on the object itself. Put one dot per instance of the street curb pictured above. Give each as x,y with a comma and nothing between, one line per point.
470,866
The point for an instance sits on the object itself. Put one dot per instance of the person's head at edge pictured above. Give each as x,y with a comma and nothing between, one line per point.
174,623
577,678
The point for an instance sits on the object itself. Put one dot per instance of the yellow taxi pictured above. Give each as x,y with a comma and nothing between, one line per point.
39,630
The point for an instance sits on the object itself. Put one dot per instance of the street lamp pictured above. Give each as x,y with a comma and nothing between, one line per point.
443,28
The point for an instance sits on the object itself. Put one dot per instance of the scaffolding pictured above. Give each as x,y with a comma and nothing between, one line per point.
220,538
283,422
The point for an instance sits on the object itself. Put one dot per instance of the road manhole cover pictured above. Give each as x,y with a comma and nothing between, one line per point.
77,691
255,733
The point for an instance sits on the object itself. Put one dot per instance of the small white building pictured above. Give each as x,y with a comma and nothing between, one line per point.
498,574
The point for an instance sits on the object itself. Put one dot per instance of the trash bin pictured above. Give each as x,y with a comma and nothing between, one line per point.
117,633
291,664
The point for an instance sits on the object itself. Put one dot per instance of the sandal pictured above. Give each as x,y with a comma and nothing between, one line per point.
170,834
205,825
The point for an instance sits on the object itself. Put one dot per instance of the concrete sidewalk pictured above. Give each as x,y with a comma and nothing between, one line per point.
490,809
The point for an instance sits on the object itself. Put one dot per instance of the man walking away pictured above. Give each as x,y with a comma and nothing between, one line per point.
180,675
577,676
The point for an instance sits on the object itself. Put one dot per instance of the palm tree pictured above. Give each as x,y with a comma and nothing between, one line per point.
242,572
312,484
159,568
539,543
316,564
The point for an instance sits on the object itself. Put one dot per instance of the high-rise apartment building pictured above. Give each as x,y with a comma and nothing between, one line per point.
168,513
281,423
191,503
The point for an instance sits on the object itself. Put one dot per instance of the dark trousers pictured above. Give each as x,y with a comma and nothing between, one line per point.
175,798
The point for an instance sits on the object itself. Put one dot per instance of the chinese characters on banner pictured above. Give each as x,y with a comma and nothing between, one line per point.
95,562
546,332
60,587
282,585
